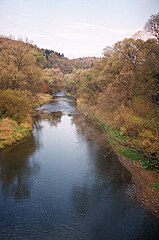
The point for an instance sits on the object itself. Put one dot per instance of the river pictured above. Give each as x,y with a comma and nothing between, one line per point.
59,185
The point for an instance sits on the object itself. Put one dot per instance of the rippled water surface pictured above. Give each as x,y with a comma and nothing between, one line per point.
57,185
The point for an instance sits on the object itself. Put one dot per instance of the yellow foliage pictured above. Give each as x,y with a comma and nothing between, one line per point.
149,142
127,121
15,104
42,98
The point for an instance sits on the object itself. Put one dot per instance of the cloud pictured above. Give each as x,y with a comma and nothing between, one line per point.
92,27
83,26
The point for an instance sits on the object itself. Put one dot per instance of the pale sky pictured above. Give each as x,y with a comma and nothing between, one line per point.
76,28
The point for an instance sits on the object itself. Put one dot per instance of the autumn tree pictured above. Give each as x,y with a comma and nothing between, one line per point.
52,80
18,69
15,104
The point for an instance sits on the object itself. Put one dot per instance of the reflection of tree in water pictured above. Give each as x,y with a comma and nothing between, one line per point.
89,131
103,160
17,166
101,205
107,181
108,165
53,118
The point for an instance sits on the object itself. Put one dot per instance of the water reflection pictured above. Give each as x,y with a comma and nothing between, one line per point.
58,184
109,166
110,179
107,205
104,161
53,119
17,165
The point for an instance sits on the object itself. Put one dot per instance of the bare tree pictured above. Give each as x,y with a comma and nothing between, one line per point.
152,26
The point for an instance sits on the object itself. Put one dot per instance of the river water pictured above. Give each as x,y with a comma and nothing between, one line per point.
58,185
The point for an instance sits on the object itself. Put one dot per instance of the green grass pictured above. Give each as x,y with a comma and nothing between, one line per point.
117,134
109,129
156,185
129,153
115,137
149,163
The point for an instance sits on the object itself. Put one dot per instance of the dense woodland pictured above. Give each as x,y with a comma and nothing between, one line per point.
120,90
24,66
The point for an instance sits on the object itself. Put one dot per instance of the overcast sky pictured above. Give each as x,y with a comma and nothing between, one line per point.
76,28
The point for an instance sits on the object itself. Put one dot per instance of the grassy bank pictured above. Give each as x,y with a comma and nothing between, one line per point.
120,143
134,145
117,140
12,130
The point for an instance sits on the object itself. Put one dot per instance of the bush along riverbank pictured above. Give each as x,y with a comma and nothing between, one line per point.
16,111
144,174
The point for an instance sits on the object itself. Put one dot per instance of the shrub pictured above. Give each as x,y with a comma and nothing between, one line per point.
127,121
15,104
149,143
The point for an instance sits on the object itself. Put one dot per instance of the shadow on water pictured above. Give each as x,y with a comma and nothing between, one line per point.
18,163
111,178
16,169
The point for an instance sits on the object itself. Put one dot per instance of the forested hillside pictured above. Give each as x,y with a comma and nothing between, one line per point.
121,92
23,65
50,59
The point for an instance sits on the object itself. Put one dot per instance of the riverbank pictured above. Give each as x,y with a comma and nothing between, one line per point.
11,131
144,180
